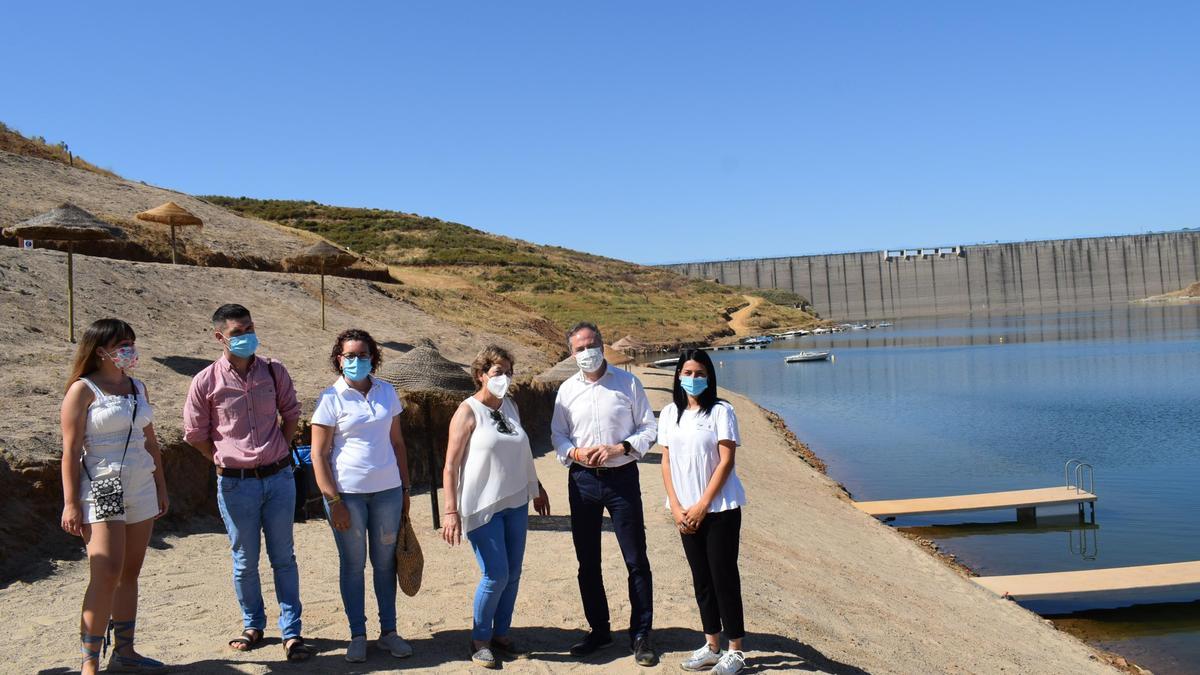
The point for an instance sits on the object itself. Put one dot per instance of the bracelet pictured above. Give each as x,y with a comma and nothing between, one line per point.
450,513
330,501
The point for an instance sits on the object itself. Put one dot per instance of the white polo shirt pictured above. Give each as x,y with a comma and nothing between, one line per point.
693,454
363,459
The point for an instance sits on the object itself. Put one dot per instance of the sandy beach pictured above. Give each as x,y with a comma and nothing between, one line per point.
827,589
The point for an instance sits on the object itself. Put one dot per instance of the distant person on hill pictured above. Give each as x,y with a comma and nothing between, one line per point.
361,466
232,416
489,480
113,488
698,433
602,425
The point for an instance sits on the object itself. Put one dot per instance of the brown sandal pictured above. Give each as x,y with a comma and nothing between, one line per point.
249,639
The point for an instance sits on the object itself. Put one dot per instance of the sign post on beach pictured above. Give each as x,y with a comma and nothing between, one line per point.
27,244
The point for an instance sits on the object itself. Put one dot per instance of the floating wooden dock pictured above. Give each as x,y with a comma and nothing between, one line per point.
1112,579
1022,500
723,348
1025,502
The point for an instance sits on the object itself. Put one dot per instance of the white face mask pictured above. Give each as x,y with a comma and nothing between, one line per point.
498,385
590,359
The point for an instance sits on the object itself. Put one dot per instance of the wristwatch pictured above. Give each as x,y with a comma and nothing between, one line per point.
628,447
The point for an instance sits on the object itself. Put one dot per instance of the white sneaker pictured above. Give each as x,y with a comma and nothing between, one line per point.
392,642
357,651
730,663
701,659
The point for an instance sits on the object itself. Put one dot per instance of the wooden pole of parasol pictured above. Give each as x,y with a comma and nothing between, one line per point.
322,296
173,245
71,291
433,472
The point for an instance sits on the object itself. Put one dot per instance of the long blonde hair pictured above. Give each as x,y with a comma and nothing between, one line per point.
102,332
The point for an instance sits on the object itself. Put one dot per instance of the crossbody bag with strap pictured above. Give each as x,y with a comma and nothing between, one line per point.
108,494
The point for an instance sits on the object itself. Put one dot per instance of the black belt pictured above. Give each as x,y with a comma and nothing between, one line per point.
598,470
256,472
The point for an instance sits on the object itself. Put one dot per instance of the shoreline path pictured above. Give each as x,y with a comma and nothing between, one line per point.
827,589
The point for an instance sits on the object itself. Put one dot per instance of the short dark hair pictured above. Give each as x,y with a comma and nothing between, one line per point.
229,311
580,326
355,334
488,357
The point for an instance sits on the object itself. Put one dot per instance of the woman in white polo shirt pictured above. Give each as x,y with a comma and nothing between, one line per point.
699,434
361,467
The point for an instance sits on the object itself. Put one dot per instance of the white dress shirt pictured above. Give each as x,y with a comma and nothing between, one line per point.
612,409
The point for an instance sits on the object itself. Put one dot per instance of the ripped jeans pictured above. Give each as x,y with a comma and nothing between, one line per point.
374,526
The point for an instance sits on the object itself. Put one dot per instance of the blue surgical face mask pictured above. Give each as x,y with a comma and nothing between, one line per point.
356,369
242,346
693,385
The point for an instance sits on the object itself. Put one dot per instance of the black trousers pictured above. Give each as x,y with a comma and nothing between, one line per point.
619,490
712,553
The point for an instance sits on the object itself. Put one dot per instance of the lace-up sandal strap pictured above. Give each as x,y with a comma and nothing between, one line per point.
93,652
123,633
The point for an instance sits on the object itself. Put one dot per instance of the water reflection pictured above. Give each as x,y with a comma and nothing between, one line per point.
987,403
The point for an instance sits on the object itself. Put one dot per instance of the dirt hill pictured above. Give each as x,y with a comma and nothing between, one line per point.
239,257
654,304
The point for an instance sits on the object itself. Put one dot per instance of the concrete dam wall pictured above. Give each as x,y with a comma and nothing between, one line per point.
1061,274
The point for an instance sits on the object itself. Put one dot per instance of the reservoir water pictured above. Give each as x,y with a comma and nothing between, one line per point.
954,406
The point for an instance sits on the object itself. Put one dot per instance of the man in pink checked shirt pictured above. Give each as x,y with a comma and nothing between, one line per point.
232,416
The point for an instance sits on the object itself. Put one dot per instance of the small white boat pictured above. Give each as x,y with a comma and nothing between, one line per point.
885,324
665,363
821,331
801,357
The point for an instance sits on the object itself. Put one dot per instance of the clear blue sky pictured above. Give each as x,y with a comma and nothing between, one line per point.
649,131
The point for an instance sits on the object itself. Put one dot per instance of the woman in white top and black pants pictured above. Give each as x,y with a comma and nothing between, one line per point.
361,466
699,434
489,479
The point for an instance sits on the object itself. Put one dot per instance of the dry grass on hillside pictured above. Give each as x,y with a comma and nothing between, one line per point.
654,304
15,142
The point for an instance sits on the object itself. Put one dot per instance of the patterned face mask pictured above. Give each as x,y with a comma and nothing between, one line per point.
125,358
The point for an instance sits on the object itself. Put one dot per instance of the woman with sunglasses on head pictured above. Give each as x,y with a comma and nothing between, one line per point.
113,488
489,480
698,433
361,466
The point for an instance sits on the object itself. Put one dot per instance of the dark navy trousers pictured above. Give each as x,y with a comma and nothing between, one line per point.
619,490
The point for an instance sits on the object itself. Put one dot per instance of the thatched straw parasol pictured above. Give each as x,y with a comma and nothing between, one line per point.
173,215
68,223
629,344
322,257
425,372
560,371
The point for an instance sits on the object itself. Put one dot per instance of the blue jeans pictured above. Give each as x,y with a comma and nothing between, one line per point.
499,549
250,506
374,528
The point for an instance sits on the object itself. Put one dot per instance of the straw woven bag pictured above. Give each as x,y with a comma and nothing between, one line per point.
409,560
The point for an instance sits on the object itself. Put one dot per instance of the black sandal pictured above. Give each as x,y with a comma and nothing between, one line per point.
249,639
296,650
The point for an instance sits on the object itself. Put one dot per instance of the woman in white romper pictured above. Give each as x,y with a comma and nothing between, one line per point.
103,439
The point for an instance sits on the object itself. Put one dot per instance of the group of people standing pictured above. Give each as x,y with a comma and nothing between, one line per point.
242,411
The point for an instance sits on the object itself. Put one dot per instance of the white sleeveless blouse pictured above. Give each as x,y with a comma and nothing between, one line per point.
498,472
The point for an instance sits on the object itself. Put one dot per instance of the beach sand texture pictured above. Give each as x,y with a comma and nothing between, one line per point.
827,589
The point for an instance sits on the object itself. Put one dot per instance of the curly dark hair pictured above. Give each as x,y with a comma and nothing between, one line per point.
355,334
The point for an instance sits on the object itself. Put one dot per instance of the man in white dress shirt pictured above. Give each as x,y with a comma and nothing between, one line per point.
602,425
